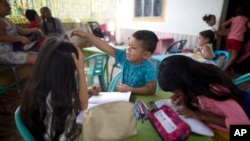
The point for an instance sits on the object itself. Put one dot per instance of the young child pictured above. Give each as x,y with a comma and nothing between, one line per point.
238,26
210,19
51,99
51,26
9,34
206,42
138,73
34,19
207,93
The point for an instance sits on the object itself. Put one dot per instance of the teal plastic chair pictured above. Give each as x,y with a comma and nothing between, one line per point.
246,93
96,66
242,79
115,81
115,65
25,133
221,58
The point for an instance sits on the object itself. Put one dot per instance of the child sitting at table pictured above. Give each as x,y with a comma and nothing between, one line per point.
138,73
207,93
206,43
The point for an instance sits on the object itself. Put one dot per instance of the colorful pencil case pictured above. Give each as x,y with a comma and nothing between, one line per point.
168,124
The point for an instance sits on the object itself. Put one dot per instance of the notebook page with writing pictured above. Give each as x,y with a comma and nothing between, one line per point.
196,125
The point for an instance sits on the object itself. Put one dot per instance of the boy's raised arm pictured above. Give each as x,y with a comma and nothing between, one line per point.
102,45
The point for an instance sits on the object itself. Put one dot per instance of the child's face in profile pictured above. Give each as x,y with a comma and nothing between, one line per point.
45,13
4,8
202,40
135,52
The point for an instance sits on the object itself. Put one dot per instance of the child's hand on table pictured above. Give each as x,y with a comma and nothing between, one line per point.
93,90
123,88
177,99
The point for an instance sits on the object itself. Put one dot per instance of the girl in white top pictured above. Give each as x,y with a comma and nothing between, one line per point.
206,42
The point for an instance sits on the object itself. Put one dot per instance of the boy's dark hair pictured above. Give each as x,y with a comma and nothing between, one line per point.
207,18
210,35
30,14
149,39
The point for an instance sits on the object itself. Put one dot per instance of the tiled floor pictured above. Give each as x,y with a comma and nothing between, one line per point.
8,131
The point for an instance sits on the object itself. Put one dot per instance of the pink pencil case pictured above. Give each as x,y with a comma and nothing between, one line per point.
168,124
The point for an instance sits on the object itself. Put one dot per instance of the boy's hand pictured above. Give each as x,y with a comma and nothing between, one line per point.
123,88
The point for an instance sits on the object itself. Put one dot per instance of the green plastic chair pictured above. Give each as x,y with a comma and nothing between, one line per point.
242,79
25,133
115,65
115,81
97,66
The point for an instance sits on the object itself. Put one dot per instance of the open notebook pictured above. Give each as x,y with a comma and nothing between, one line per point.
104,97
196,126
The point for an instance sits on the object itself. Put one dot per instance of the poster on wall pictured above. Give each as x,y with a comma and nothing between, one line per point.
149,10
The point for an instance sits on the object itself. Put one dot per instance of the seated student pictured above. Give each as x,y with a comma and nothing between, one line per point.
34,22
207,93
51,99
51,26
206,42
138,73
9,34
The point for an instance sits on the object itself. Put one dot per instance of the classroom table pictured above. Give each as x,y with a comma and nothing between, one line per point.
159,58
92,50
146,131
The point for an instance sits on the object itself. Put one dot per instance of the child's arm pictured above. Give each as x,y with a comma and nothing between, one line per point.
83,92
26,31
10,38
204,116
207,53
102,45
150,88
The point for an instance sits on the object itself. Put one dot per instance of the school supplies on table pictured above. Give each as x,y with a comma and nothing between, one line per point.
102,98
169,125
196,125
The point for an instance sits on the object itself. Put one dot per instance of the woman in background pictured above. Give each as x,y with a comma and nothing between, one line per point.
51,26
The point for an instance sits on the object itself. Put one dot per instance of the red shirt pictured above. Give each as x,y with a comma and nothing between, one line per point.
34,24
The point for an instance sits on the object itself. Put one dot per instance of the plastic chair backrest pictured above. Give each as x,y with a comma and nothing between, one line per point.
242,79
25,133
221,62
115,81
176,47
99,63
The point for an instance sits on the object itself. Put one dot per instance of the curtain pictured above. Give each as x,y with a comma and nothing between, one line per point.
66,10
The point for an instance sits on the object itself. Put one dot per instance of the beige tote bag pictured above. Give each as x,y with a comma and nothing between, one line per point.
112,121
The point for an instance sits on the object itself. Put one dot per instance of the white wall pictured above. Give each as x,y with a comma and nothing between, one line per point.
181,16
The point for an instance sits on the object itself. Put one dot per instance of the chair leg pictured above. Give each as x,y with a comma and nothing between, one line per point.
102,82
17,80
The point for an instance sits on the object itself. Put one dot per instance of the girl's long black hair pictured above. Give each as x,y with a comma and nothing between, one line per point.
194,78
54,74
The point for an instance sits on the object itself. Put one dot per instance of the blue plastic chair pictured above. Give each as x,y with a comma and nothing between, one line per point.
115,81
221,58
25,133
176,47
98,63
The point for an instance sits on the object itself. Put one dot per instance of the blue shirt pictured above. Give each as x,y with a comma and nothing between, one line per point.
135,75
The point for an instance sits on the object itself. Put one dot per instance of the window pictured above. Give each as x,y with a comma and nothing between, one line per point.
149,10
